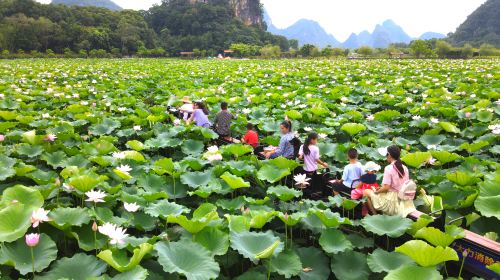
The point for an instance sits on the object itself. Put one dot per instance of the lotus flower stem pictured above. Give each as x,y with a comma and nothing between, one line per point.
464,256
286,235
175,196
32,261
268,270
291,236
446,270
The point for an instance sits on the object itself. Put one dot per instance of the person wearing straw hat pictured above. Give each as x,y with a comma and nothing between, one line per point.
186,108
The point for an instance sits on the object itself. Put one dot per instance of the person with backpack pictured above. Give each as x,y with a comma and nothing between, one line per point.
395,197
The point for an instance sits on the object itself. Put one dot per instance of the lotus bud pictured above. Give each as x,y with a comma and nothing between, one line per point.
242,208
2,137
465,253
32,239
468,115
286,216
14,201
94,226
57,182
247,210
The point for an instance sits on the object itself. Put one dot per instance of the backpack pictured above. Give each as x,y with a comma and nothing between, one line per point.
407,190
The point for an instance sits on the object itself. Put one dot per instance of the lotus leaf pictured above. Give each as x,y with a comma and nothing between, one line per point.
119,260
256,245
187,258
425,254
350,265
411,272
383,261
393,226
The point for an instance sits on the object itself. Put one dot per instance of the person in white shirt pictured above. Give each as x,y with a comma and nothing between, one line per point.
186,108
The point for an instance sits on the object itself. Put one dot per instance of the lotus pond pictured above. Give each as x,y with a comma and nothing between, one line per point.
93,162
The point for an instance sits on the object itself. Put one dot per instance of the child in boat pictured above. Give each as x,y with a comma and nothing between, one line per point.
350,177
251,137
368,180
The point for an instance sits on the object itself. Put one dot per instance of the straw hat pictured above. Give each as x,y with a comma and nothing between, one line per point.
372,166
186,99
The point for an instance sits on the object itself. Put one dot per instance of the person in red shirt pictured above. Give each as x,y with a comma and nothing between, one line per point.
251,137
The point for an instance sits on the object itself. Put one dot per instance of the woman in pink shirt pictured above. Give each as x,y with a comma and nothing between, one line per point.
386,198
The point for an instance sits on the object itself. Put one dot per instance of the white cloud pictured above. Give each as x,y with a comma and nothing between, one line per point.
342,17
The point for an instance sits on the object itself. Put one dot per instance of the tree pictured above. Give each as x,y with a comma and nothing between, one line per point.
487,50
294,44
365,51
443,48
467,51
307,50
270,51
420,48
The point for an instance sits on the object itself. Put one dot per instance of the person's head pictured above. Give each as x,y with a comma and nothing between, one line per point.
394,155
286,127
223,105
249,126
352,154
200,105
371,167
312,139
186,100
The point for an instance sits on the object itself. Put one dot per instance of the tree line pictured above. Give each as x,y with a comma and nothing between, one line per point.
28,28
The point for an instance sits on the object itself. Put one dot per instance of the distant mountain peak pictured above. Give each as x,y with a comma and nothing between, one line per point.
108,4
306,31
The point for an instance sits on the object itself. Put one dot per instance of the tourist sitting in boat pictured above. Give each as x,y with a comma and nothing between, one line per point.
251,137
285,148
386,199
187,108
222,122
200,115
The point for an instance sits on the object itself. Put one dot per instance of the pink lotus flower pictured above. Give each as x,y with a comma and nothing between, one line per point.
94,227
50,137
39,216
2,137
468,115
32,239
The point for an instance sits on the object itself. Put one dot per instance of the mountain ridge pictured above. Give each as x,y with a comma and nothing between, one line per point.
108,4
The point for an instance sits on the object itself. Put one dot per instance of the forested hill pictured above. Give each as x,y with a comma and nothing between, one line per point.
108,4
209,26
482,26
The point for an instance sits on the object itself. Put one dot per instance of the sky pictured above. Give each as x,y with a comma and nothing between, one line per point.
343,17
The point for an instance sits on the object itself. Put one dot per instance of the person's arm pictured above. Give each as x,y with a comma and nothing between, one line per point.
320,162
386,182
191,118
301,153
385,188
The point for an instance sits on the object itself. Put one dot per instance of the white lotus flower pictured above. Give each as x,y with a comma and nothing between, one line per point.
119,155
495,128
214,157
213,149
39,216
431,147
309,95
307,129
344,99
416,117
2,95
434,120
177,122
95,196
131,207
301,179
409,99
370,117
68,187
115,233
45,115
121,109
322,135
246,111
124,169
137,128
